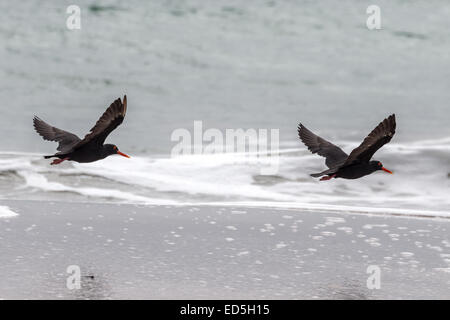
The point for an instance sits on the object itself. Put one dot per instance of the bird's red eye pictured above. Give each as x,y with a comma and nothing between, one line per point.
115,148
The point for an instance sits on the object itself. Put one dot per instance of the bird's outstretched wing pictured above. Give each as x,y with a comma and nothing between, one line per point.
334,155
110,120
379,136
65,139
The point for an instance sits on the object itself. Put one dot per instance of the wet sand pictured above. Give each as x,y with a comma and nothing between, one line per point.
164,252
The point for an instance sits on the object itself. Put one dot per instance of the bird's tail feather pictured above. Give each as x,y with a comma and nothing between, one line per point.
316,175
323,173
48,157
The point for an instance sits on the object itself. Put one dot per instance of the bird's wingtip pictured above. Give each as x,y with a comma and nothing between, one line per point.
301,128
124,105
392,118
300,131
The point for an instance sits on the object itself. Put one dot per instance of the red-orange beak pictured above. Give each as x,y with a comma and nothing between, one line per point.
122,154
388,171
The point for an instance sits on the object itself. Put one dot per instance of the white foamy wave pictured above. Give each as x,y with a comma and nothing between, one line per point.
420,182
222,175
6,212
40,182
335,208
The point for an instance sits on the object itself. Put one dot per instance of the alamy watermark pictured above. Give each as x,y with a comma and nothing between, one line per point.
373,22
73,21
258,146
374,280
74,280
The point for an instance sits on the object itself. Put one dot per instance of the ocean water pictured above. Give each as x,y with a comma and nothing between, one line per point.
252,64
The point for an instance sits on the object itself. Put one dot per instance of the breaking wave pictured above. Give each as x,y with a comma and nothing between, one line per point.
420,185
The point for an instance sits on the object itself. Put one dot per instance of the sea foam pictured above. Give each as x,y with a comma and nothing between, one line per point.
419,185
6,212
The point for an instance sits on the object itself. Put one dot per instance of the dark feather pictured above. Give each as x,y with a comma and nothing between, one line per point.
65,139
334,155
110,120
326,172
379,136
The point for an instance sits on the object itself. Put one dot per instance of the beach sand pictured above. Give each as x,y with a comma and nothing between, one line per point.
169,252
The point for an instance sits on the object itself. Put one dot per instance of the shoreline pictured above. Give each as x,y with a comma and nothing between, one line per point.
205,252
310,208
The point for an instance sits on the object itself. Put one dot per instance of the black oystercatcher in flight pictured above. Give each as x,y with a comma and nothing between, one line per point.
91,148
355,165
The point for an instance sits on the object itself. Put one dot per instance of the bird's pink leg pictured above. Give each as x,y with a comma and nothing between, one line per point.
58,161
328,177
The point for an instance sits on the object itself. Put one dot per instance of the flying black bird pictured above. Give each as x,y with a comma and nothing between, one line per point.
358,163
92,147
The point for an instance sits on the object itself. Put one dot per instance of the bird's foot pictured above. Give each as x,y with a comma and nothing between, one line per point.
328,177
58,161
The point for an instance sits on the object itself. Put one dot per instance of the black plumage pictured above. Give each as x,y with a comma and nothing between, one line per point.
91,147
358,163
